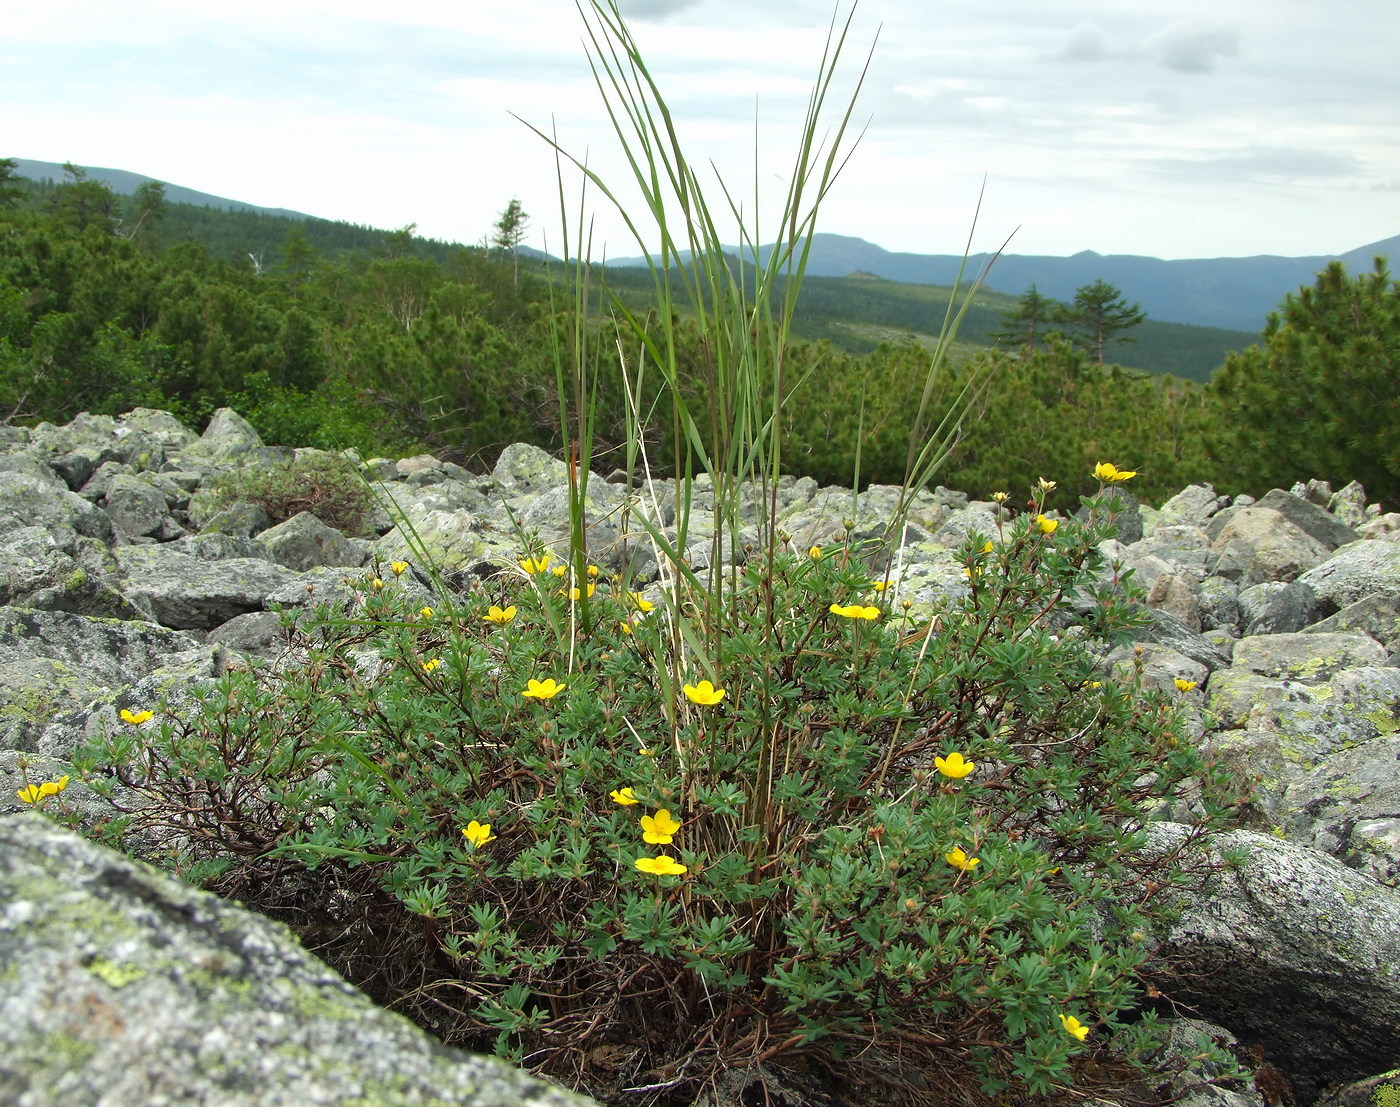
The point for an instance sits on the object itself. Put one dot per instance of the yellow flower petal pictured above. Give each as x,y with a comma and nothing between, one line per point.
960,860
1073,1026
398,567
623,796
660,865
657,829
1047,526
954,766
478,834
543,689
855,611
704,693
498,616
136,718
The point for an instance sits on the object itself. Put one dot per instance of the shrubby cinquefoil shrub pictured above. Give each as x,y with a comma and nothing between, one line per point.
859,838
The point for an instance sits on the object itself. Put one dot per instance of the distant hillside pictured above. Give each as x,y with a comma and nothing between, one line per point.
124,183
1233,294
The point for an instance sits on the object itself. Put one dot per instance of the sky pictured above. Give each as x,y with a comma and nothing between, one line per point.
1169,128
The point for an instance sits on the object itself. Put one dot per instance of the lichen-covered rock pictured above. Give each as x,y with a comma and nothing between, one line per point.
304,542
1382,1090
1275,607
189,592
1377,616
138,509
1356,572
125,986
1293,952
54,663
1312,519
1308,658
1257,544
27,501
1190,507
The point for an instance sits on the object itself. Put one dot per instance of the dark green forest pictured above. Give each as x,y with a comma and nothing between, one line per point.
333,335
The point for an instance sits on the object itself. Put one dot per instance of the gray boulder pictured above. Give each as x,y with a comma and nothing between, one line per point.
133,988
1355,572
27,501
304,542
1257,544
1293,952
1275,607
189,592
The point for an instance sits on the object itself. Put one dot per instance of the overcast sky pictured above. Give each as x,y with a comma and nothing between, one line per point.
1173,128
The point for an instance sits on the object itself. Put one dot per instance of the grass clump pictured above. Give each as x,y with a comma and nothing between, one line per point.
757,811
329,485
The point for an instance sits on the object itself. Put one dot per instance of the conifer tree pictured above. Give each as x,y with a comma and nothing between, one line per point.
1098,316
1025,326
1320,396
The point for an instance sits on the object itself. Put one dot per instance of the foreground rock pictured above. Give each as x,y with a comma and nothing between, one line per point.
124,986
1297,953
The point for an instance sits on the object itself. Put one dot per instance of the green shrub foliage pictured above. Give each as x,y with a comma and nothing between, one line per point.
631,882
1320,396
328,485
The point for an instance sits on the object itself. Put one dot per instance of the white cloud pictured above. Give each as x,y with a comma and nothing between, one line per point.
1087,42
1193,47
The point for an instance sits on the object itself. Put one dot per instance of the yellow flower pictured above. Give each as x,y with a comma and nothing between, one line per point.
954,766
136,718
815,553
639,603
560,570
376,583
1046,485
577,593
1073,1026
660,865
30,794
855,611
543,689
398,567
533,565
593,570
426,612
1093,684
960,860
1109,473
624,796
499,617
881,585
970,572
1185,685
53,787
657,829
1001,497
478,834
625,627
429,666
1047,526
704,693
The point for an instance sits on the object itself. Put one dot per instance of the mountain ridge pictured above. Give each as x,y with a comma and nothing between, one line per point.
124,182
1229,293
1226,293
